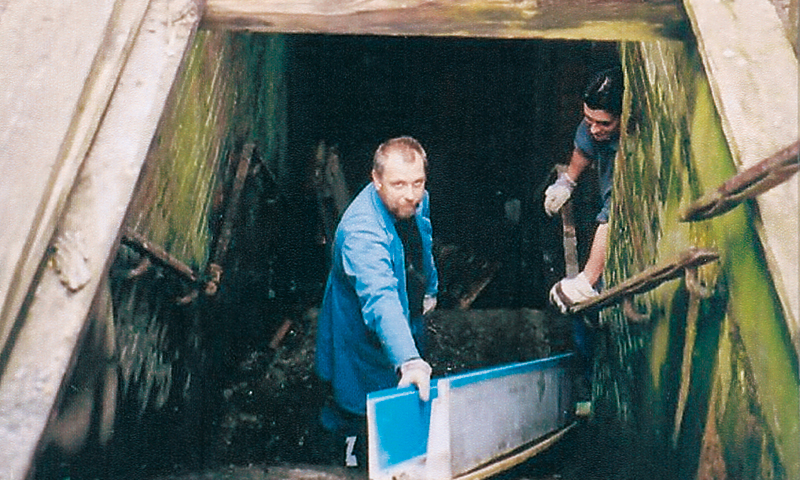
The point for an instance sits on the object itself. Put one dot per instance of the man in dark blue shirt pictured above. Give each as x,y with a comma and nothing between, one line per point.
596,141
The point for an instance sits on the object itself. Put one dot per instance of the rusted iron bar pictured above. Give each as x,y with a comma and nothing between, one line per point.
276,340
214,271
697,292
649,279
477,287
155,252
570,239
232,206
140,269
749,183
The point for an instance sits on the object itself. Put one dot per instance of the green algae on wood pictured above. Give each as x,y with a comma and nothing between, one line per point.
215,108
672,151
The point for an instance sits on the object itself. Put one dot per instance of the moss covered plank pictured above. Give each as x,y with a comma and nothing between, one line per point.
753,74
87,232
573,19
59,62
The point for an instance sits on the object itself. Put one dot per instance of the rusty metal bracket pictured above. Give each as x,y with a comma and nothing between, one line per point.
749,183
684,264
157,254
631,313
697,292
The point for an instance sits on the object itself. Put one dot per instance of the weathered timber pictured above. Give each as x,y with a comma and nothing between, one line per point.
276,340
333,196
59,62
42,354
487,274
648,279
753,73
573,19
232,206
570,238
157,253
749,183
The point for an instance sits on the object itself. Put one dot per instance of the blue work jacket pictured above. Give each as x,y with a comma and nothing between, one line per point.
364,332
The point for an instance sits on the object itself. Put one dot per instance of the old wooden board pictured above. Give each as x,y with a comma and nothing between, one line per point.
88,228
573,19
59,63
474,421
753,71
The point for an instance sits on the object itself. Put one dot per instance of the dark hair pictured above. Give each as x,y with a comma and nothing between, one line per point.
408,147
604,92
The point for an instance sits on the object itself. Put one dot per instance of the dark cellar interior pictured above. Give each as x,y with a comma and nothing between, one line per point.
494,117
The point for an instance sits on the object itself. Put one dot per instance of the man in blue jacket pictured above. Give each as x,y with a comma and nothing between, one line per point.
382,281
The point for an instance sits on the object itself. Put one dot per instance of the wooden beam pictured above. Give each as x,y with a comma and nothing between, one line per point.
59,62
571,19
753,73
87,230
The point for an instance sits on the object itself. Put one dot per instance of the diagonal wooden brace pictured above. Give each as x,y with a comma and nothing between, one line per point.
684,264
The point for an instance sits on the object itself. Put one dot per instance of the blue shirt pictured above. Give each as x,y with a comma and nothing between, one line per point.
364,332
602,155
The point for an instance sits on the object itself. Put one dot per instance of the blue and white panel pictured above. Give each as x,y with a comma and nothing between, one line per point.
472,418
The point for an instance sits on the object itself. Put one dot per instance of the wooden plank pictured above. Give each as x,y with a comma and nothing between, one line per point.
753,73
519,405
87,232
571,19
59,62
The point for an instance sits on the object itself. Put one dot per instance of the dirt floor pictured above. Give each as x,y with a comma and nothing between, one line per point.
269,410
270,407
295,472
299,472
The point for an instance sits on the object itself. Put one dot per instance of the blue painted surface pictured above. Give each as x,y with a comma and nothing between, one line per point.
403,421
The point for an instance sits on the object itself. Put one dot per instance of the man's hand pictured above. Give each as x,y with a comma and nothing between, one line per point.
416,372
428,304
570,291
558,193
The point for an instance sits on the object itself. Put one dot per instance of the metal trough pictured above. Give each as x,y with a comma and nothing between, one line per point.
477,424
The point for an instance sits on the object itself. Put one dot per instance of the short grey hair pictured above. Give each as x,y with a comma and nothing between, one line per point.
408,147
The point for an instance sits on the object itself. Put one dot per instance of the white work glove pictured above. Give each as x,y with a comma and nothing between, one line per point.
428,304
558,193
570,291
416,372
